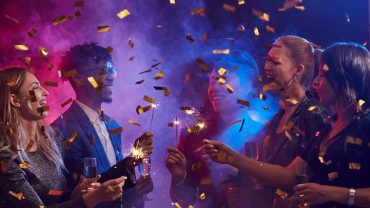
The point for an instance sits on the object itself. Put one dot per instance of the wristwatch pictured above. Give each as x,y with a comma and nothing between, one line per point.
351,197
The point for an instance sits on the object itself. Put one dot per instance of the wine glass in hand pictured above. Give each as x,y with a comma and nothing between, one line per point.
90,171
144,169
302,177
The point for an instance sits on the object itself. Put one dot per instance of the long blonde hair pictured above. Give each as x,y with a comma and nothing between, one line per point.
13,135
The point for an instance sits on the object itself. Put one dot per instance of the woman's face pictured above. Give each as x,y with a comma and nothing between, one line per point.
279,66
32,99
325,89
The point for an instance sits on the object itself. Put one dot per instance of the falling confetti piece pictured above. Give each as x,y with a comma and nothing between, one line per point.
156,64
61,19
300,8
229,8
65,103
21,47
146,71
222,51
222,71
202,65
27,60
256,32
70,73
12,19
43,51
261,15
79,4
177,205
242,102
229,88
189,38
131,43
241,28
313,108
235,122
172,2
333,175
149,99
265,108
77,14
221,80
282,194
51,84
354,166
204,37
241,2
159,75
187,78
165,90
55,192
105,28
122,14
270,29
158,26
325,68
292,101
132,121
32,32
202,196
92,82
272,86
199,11
131,58
115,131
140,82
19,196
140,110
109,49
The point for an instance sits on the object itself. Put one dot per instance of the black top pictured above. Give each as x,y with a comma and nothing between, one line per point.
282,148
346,161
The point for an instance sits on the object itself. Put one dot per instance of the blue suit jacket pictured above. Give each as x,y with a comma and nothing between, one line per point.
75,120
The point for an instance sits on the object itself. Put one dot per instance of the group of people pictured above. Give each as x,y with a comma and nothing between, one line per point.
322,127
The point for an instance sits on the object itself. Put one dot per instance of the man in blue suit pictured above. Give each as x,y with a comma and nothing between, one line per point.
88,132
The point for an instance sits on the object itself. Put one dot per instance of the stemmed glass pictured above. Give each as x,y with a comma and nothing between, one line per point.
251,151
144,169
302,177
90,171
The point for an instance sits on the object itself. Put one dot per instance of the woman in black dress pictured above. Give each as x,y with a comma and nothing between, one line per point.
339,155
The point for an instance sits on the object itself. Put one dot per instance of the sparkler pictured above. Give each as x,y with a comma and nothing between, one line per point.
154,106
176,123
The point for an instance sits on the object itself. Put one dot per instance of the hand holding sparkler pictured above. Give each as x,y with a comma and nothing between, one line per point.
176,164
142,148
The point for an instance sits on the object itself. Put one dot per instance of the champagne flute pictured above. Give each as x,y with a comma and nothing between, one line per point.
251,151
90,171
302,177
144,169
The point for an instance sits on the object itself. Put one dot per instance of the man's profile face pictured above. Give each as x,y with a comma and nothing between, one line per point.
98,78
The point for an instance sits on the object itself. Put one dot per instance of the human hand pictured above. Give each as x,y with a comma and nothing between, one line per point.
176,164
145,143
85,185
144,185
236,197
311,193
220,152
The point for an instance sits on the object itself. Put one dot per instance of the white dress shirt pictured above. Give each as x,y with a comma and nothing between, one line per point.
102,132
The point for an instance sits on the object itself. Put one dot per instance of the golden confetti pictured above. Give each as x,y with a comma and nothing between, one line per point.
140,110
301,8
190,206
189,38
332,176
270,29
202,65
242,102
70,73
146,71
354,166
105,28
32,32
313,108
115,131
21,47
65,103
19,196
229,8
77,14
325,68
79,4
354,140
199,11
221,80
12,19
202,196
256,32
177,205
41,206
122,14
3,167
92,82
229,88
24,165
261,15
51,84
222,71
140,82
165,90
221,51
61,19
131,43
149,99
159,75
359,105
282,194
241,2
196,166
172,2
272,86
204,37
241,28
109,49
27,60
43,51
292,101
55,192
